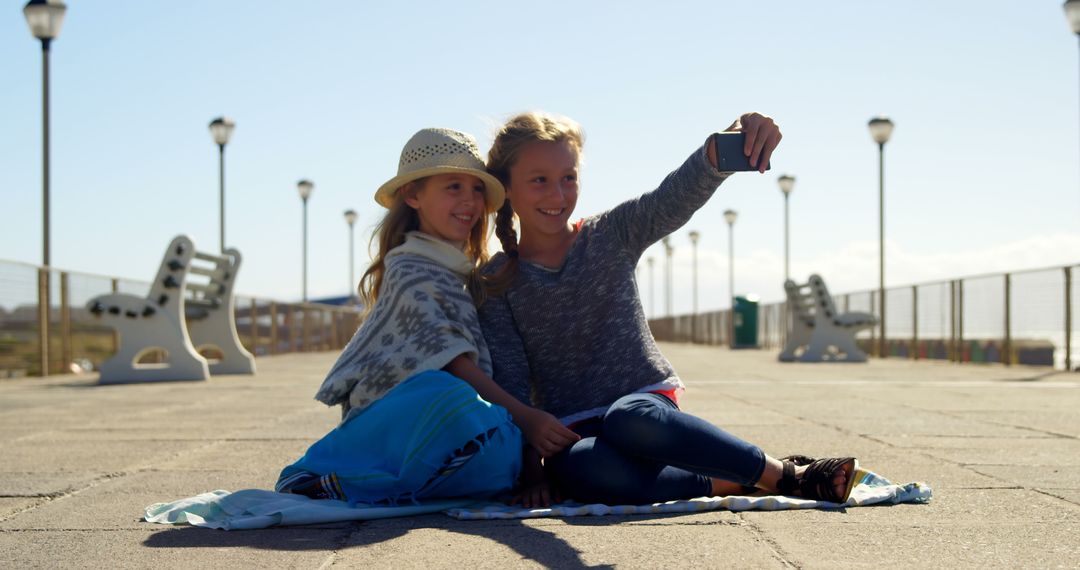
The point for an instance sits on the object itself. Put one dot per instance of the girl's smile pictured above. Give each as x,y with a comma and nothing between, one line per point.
448,205
544,187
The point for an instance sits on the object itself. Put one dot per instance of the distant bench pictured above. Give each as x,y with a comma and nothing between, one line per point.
819,333
179,311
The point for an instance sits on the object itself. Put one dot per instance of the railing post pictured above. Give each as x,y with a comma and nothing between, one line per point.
763,327
1068,318
731,327
875,348
785,325
914,322
43,320
334,330
305,329
290,329
1007,349
65,322
254,327
115,333
952,321
883,342
960,320
343,329
324,338
273,328
331,329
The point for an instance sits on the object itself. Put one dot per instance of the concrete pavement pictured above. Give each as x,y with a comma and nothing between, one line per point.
1000,446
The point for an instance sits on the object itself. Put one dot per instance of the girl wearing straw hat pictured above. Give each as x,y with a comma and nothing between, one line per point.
422,417
566,328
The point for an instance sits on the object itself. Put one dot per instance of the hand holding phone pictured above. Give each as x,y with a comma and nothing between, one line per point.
757,137
730,155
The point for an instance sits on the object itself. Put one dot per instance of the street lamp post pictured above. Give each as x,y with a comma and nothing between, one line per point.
787,184
652,289
881,129
221,129
350,218
668,281
1072,13
305,187
45,20
730,216
694,237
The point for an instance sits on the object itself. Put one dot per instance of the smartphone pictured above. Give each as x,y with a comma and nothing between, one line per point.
729,153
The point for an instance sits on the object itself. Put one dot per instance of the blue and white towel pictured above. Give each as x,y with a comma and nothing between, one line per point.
872,489
254,508
257,508
430,437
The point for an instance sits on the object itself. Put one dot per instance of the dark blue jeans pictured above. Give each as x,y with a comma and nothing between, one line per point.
645,450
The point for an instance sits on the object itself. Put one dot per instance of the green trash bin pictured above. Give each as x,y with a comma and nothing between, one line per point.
745,315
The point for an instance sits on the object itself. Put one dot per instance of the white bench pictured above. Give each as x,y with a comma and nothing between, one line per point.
818,332
189,310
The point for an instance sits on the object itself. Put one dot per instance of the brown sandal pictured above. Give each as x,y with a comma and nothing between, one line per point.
799,460
816,482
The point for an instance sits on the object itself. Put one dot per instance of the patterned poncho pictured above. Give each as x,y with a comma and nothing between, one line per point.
423,319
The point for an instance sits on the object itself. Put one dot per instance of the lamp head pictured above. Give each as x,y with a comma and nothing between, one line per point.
730,216
1072,13
45,18
787,183
881,129
221,129
305,187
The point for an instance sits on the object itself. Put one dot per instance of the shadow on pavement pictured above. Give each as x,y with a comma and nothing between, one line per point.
530,542
285,539
1044,375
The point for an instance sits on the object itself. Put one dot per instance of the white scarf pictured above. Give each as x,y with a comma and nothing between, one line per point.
442,252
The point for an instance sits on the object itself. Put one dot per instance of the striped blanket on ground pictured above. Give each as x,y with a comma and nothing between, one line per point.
254,508
870,489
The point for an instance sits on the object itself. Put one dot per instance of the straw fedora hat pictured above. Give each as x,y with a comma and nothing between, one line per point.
441,151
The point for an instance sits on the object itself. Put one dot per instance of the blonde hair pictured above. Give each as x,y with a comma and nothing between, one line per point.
511,138
390,233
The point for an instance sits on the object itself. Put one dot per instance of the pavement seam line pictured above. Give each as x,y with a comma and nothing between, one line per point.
1049,494
770,542
956,416
342,541
99,480
869,437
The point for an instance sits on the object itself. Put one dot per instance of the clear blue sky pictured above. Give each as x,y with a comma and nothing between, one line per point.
982,170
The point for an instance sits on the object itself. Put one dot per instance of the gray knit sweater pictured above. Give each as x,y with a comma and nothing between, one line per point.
575,339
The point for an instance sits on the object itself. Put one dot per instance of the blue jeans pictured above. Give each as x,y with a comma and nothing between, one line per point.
645,450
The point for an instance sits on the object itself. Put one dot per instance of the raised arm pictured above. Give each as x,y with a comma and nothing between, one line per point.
644,220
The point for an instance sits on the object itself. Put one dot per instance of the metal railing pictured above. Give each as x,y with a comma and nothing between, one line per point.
42,307
1020,317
